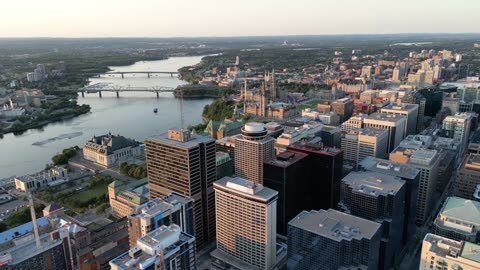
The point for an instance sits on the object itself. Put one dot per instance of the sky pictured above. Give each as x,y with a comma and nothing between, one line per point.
194,18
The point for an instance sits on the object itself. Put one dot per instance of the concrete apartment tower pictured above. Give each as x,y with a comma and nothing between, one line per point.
246,225
253,148
183,163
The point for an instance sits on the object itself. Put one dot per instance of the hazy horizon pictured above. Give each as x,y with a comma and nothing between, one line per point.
213,18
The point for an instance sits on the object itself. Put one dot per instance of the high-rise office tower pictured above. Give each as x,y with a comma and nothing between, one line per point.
453,104
468,176
410,111
411,176
458,128
437,72
330,239
395,124
246,225
415,97
381,198
360,143
171,209
252,149
325,167
287,173
183,163
343,107
427,161
443,253
396,74
165,248
368,96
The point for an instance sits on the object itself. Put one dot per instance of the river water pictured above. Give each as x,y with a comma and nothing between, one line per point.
131,115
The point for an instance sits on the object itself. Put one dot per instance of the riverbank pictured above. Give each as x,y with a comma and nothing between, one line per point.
130,116
202,91
23,123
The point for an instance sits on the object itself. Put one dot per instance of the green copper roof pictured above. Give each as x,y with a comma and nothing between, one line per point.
471,251
461,209
229,125
212,126
138,183
116,184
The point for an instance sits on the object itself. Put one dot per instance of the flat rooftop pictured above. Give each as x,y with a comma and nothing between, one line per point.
246,188
423,156
21,230
157,206
287,158
401,107
373,183
457,117
371,132
229,140
28,249
472,162
168,239
193,142
335,225
315,148
444,247
405,171
392,118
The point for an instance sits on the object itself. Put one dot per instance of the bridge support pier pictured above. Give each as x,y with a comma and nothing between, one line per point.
118,94
122,75
148,75
171,75
100,94
83,94
158,94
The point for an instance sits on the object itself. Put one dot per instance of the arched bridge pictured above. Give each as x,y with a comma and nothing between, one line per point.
99,88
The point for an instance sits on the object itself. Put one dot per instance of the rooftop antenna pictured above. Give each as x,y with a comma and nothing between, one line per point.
34,221
181,111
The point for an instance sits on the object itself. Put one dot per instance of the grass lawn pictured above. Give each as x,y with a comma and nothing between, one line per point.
317,101
87,194
304,106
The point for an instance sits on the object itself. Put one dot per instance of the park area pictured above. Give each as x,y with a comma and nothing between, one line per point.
312,104
80,196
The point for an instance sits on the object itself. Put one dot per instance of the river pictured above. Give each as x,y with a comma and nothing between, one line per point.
131,115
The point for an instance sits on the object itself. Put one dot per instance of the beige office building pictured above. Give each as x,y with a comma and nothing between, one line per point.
246,225
395,124
186,164
468,177
352,123
358,144
458,128
410,111
253,148
443,253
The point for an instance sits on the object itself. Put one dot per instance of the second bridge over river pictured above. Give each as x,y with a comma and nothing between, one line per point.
123,73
